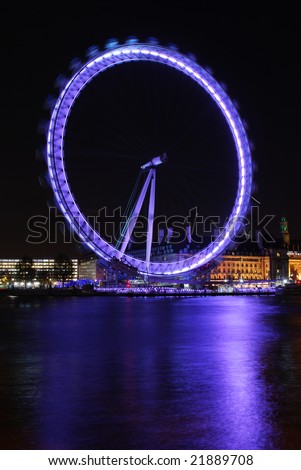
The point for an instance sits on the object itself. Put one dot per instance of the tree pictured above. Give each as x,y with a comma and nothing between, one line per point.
5,278
24,269
44,278
63,268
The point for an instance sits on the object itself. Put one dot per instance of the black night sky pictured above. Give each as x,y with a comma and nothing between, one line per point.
255,53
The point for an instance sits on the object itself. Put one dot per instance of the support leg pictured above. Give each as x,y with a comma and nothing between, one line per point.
151,213
135,214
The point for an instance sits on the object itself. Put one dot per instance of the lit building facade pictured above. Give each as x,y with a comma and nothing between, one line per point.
248,263
294,266
42,267
235,267
91,270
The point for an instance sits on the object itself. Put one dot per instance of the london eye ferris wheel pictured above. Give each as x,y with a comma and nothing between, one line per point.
99,63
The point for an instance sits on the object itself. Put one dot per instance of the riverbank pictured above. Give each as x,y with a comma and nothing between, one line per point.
129,292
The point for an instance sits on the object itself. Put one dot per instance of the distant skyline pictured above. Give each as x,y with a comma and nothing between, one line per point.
256,55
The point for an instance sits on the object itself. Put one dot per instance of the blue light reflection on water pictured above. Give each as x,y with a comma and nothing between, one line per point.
151,373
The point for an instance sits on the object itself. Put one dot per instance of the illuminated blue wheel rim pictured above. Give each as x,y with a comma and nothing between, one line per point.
58,177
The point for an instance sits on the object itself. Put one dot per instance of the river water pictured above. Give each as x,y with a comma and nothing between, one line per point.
150,373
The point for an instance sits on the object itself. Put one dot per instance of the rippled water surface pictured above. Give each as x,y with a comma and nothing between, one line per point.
150,373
